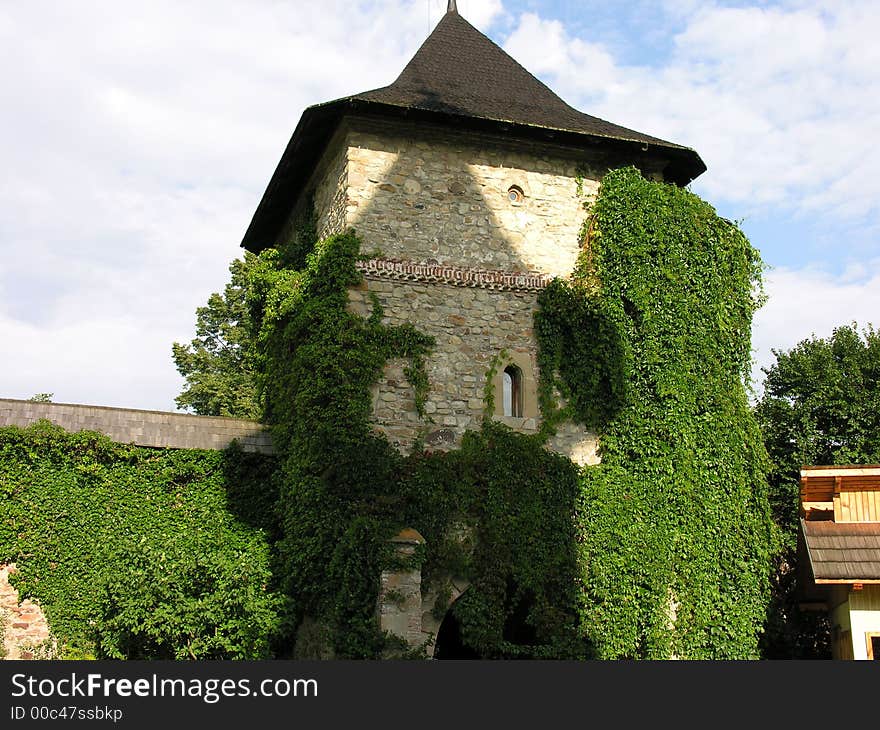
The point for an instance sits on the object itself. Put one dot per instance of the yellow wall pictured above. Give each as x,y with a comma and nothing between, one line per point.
854,619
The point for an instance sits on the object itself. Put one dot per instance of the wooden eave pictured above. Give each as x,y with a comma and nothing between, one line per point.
842,553
821,484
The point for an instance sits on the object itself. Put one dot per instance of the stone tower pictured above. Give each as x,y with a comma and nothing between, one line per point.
467,177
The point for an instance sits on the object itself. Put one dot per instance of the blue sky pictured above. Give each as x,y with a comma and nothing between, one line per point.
138,138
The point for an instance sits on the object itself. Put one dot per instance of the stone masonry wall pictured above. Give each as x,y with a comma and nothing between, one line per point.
430,204
327,190
143,428
419,194
471,327
399,603
24,631
331,192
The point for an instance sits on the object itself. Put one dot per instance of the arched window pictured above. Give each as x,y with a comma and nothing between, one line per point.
512,396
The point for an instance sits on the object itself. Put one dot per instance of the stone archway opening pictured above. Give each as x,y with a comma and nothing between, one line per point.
517,632
449,644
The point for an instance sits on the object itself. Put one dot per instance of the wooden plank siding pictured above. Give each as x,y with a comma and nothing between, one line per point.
844,493
839,542
867,600
857,506
842,647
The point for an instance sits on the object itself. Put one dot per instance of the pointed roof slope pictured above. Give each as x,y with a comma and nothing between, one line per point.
458,76
459,71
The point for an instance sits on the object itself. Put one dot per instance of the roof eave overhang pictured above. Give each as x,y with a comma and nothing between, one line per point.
846,581
822,578
318,124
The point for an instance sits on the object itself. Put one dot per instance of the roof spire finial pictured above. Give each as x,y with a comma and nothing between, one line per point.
451,7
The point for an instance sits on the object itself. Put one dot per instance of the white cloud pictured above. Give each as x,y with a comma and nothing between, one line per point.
136,140
479,13
98,359
811,301
782,103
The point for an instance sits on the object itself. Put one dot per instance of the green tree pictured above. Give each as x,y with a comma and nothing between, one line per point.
820,405
218,363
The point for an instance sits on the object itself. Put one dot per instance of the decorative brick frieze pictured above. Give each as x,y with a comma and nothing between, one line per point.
399,270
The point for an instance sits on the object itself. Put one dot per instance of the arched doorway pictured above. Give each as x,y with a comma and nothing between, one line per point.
517,631
448,644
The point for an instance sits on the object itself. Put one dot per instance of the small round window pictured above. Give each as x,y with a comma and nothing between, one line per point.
515,194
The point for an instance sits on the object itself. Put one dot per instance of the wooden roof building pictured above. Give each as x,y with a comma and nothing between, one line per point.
840,553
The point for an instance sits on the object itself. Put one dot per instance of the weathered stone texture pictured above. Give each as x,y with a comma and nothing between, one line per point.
419,194
143,428
331,193
576,443
436,605
23,628
421,197
399,604
471,327
326,192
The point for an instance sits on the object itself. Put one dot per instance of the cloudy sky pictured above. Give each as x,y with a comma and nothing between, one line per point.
137,139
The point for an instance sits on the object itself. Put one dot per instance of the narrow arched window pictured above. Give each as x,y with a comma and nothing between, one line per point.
512,396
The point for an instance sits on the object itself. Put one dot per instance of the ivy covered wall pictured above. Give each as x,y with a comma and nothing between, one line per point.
662,550
650,341
140,553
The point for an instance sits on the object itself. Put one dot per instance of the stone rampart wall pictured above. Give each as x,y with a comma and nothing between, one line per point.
143,428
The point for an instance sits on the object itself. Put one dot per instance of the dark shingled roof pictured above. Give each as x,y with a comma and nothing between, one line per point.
843,551
460,71
458,76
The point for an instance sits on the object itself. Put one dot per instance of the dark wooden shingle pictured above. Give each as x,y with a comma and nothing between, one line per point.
844,551
459,71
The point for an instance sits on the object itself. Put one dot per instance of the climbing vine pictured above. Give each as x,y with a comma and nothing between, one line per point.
651,342
317,363
139,553
661,550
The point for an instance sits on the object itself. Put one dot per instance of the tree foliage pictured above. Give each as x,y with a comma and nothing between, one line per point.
820,405
218,363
